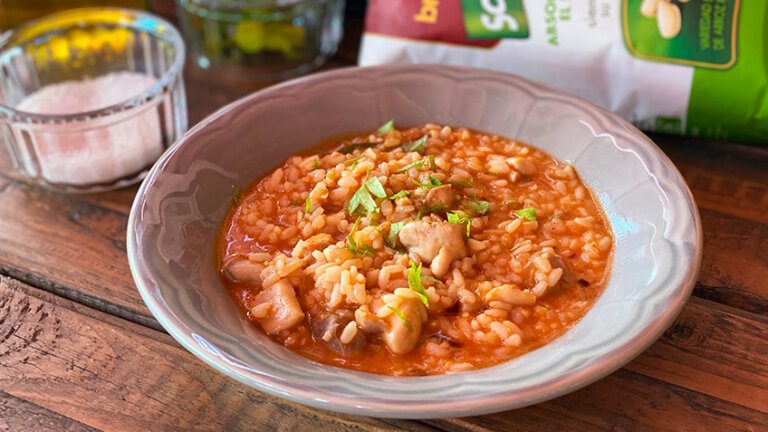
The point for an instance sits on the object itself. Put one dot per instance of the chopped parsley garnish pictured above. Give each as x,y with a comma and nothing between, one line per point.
462,184
417,146
349,148
314,164
363,196
433,182
418,164
556,216
517,245
236,195
527,213
352,160
512,201
374,185
434,209
394,230
420,184
361,247
478,207
414,283
432,165
386,128
400,315
460,217
402,193
307,206
433,279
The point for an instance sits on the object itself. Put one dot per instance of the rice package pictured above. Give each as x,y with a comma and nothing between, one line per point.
694,67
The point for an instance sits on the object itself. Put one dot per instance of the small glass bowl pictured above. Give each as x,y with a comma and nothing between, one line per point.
104,148
261,40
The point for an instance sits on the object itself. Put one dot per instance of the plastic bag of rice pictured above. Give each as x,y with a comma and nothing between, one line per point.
692,67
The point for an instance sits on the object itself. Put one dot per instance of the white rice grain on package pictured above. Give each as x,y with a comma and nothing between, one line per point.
695,67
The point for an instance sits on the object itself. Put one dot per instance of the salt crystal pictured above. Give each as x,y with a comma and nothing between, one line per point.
101,150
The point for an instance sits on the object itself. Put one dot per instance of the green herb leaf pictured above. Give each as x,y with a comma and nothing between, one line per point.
420,184
418,145
433,182
517,245
556,216
402,193
462,184
527,213
432,165
460,217
423,276
418,164
477,207
434,209
350,148
512,201
366,249
362,197
307,206
236,195
375,187
414,283
394,230
352,160
386,128
351,237
315,164
366,200
400,315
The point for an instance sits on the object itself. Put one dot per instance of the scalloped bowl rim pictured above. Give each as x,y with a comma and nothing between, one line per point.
387,407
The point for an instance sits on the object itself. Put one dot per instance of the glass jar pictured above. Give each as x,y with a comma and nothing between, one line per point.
130,58
261,39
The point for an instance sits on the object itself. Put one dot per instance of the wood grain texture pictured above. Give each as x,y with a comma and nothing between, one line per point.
708,372
68,362
19,415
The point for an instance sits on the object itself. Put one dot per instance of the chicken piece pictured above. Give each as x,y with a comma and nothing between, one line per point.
238,268
511,294
317,242
438,243
439,197
284,312
400,336
522,165
329,328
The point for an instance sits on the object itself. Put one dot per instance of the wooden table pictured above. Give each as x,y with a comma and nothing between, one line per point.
79,351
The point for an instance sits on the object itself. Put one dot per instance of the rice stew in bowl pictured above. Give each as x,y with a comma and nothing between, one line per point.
529,273
416,251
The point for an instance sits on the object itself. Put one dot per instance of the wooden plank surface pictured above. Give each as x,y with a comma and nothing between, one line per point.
84,353
90,369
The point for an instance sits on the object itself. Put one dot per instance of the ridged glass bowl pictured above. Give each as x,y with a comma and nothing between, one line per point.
179,208
101,148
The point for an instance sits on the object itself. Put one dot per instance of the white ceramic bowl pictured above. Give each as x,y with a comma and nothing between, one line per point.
181,203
